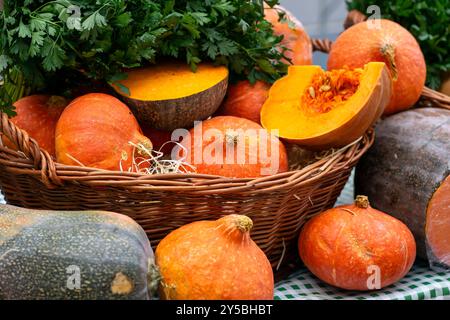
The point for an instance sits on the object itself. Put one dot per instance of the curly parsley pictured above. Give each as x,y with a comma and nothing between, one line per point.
42,42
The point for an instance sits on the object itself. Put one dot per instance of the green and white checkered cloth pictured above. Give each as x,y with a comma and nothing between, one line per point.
419,284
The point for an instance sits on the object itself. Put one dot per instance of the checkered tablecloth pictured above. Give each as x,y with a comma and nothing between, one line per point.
421,283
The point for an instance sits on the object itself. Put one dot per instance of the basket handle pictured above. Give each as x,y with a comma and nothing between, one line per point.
30,149
429,96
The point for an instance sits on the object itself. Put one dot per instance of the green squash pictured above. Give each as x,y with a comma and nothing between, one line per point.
73,255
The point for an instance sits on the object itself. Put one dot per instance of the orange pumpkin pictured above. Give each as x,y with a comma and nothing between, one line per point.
295,39
389,42
214,260
38,115
319,109
234,147
96,130
356,247
245,100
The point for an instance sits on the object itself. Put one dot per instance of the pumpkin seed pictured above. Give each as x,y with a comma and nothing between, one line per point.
312,92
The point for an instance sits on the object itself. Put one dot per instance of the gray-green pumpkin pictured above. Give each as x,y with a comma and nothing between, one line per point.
73,255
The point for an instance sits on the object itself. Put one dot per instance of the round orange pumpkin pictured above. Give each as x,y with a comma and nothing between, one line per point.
245,100
356,247
214,260
234,147
96,130
384,41
38,115
295,39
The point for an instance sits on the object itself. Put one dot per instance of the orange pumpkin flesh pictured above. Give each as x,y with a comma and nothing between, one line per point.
309,110
295,39
245,100
250,144
343,246
95,130
437,228
389,43
38,115
214,260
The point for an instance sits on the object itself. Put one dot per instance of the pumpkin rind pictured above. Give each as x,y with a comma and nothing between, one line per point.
404,169
344,246
214,260
40,250
371,41
333,129
167,113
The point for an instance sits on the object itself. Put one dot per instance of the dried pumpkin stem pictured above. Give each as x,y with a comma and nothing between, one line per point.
244,224
388,52
362,202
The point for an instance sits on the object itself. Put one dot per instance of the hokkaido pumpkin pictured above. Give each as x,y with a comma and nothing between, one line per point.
234,147
356,247
80,255
389,42
169,95
245,100
319,110
38,115
295,38
214,260
97,130
406,173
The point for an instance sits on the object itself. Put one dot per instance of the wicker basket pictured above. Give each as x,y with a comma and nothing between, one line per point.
278,204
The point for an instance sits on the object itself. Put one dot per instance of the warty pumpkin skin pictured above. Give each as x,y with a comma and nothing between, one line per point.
390,43
406,173
214,260
297,123
95,130
169,95
296,40
200,142
41,250
245,100
38,115
343,246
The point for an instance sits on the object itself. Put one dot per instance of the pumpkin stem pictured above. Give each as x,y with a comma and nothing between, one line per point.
388,52
362,202
145,146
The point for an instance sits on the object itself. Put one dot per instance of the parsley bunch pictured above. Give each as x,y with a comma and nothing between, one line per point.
428,21
43,43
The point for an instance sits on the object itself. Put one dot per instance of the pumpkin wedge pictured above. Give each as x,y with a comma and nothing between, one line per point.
169,95
319,109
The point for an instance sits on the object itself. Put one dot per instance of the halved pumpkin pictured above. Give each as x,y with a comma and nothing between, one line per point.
320,109
170,95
